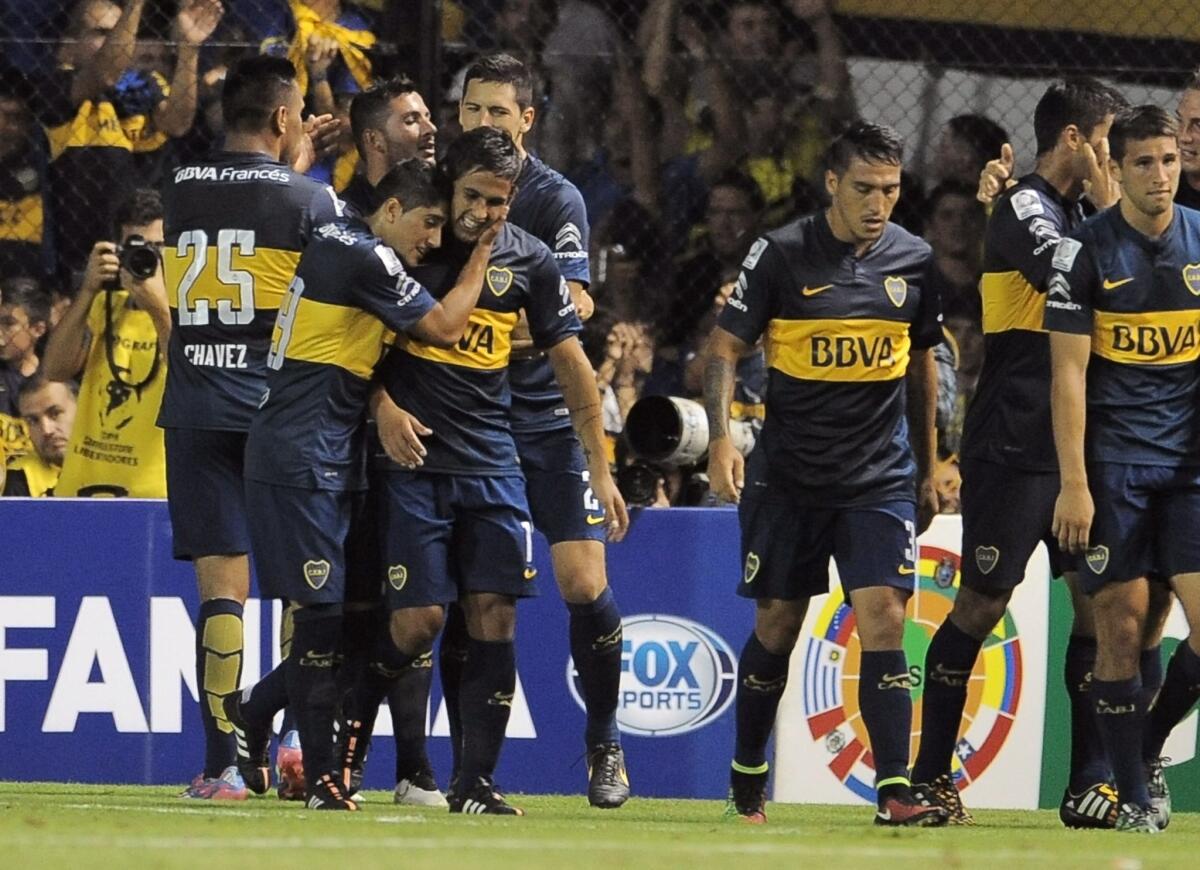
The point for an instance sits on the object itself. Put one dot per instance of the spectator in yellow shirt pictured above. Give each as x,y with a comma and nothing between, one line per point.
48,409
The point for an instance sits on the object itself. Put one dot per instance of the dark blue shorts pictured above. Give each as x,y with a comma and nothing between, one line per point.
303,547
206,493
1006,512
786,546
443,536
556,477
1146,523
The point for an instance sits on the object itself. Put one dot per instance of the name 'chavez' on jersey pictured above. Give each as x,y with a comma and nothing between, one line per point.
350,290
225,278
462,392
839,332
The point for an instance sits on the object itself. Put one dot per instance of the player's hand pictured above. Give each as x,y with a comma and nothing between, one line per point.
103,267
996,176
320,139
1100,186
726,469
493,229
604,488
928,503
1073,512
400,433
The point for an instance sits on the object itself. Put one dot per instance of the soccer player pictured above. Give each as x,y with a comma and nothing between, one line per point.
306,456
456,527
850,323
1010,474
235,224
1122,310
390,123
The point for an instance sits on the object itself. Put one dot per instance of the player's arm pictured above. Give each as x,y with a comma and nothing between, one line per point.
101,71
726,467
194,23
922,386
71,341
578,383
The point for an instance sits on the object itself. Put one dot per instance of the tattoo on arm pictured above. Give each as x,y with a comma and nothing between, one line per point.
718,394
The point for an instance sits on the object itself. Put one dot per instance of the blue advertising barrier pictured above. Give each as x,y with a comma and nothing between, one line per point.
96,655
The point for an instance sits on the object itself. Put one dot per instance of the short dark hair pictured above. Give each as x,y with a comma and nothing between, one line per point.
742,183
413,182
25,292
486,148
142,206
38,379
981,134
257,86
1079,100
873,143
369,109
1137,124
503,69
950,187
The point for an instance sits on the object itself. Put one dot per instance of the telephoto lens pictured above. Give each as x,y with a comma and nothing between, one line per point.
139,258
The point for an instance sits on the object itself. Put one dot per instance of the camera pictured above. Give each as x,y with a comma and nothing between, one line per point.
139,257
638,484
674,431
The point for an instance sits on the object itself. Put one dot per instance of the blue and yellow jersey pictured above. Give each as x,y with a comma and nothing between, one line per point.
235,226
839,332
1139,300
550,208
350,290
1008,420
462,392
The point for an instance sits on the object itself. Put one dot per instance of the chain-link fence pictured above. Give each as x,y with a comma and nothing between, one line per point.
689,126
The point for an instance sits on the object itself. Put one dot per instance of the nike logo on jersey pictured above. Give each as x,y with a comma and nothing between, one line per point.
1113,285
813,291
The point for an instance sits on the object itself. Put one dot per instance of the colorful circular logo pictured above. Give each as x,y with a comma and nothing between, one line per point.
831,674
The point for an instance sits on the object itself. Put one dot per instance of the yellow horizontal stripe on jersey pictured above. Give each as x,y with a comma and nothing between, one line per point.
271,268
839,350
22,220
485,344
338,335
1010,302
95,125
1158,338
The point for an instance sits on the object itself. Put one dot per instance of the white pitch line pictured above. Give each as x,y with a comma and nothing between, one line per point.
221,812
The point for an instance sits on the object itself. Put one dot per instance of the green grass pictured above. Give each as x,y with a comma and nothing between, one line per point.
75,826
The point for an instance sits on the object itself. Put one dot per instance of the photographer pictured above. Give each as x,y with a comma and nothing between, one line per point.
113,333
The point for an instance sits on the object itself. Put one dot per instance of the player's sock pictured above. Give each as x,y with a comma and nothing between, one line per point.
359,631
1180,691
762,676
1089,761
312,689
408,701
948,664
489,680
1121,720
287,627
885,698
1151,668
596,650
452,655
267,697
218,672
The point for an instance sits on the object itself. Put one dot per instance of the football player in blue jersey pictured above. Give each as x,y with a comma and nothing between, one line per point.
306,451
844,464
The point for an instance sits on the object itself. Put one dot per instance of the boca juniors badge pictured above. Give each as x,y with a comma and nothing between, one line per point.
316,573
897,289
1191,278
499,279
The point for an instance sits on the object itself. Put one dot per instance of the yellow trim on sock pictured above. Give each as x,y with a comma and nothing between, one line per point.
742,768
892,780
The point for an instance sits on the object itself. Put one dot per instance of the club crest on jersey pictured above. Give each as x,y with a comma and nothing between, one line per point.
1097,559
499,279
316,572
397,576
752,565
986,558
897,289
1191,278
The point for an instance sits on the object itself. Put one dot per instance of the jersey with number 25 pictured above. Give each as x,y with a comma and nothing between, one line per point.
235,224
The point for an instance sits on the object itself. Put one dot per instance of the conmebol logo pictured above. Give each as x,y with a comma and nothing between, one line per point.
676,675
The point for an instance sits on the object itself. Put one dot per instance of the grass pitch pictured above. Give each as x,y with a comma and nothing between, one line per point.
75,826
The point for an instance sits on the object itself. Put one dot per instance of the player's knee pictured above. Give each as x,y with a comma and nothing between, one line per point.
490,616
579,570
778,624
414,629
977,614
223,577
581,587
879,614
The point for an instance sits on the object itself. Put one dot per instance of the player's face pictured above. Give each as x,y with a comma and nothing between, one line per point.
50,414
409,130
413,233
863,197
1149,174
491,104
478,198
1189,131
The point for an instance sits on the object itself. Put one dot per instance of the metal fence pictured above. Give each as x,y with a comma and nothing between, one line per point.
688,125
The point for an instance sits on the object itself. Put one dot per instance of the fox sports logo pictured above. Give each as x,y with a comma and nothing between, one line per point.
676,675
